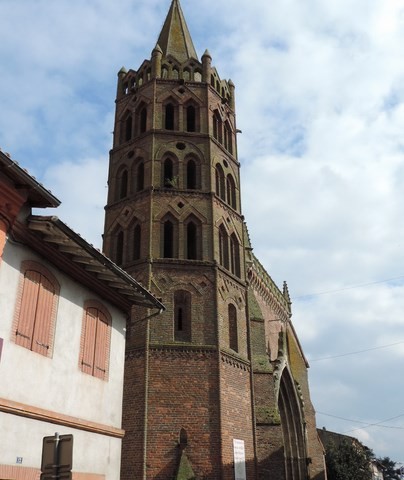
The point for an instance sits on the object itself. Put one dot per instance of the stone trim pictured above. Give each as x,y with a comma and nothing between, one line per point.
42,415
28,473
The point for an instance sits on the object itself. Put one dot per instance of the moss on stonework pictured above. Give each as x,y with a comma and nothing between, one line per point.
267,416
185,471
253,307
262,364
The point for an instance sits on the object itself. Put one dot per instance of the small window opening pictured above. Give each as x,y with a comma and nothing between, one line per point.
140,177
182,316
143,120
168,173
169,120
119,249
168,250
191,118
128,128
123,189
192,253
137,237
191,175
233,334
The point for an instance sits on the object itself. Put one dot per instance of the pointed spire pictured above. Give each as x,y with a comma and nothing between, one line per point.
175,38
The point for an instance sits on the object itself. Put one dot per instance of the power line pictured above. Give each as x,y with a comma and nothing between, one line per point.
349,287
379,424
356,352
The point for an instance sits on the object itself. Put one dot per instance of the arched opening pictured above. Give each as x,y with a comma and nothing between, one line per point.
191,180
231,191
234,255
191,118
292,429
220,183
128,128
119,248
122,184
228,141
143,120
168,173
168,239
223,247
169,117
233,332
137,239
182,316
140,177
217,126
192,241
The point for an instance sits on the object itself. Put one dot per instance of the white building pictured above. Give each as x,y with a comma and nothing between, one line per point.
63,311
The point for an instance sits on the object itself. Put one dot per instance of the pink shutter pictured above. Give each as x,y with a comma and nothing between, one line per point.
87,362
29,301
101,346
41,335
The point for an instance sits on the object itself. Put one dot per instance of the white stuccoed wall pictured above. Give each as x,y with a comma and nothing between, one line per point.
57,383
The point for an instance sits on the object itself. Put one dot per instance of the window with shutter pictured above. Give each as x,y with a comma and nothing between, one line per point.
34,320
95,340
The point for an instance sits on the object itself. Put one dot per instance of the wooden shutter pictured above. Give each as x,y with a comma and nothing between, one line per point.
42,327
29,302
87,361
101,346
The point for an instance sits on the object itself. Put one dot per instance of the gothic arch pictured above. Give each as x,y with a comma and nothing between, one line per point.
170,114
220,183
138,175
192,238
293,428
126,127
169,236
169,171
182,316
122,182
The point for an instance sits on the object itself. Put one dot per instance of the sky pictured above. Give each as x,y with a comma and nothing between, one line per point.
320,103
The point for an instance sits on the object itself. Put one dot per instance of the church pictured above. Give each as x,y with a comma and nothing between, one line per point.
215,387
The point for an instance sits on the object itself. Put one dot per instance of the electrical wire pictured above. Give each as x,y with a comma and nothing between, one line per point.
356,352
367,424
349,287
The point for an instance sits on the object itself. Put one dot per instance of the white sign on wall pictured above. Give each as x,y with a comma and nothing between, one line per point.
239,459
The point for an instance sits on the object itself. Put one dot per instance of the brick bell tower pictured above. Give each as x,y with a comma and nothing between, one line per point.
173,220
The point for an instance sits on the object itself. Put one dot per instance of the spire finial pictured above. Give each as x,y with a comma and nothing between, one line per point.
175,38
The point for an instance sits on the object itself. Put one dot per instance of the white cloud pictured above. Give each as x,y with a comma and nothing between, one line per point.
320,101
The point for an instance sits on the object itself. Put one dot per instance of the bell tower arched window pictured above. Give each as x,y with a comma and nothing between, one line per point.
228,141
233,333
122,184
168,247
128,128
182,316
231,191
191,180
143,120
119,248
223,247
168,173
140,177
191,118
220,183
217,126
234,255
137,239
169,117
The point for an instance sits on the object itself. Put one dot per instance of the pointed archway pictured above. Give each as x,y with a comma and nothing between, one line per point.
293,429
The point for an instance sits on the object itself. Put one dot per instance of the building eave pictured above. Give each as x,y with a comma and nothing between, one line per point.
50,236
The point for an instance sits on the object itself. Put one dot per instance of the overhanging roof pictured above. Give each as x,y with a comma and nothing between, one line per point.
98,271
38,195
